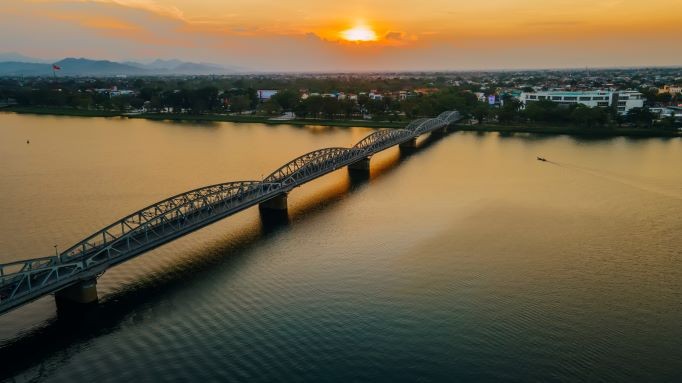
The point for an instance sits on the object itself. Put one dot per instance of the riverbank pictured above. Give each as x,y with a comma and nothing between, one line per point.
571,130
203,117
487,127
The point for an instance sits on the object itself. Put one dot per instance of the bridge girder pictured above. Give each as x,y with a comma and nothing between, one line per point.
413,125
429,125
132,232
307,165
381,139
449,117
178,203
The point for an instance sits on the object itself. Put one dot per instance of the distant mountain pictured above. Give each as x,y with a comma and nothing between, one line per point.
14,68
182,67
18,57
133,63
165,64
199,68
87,67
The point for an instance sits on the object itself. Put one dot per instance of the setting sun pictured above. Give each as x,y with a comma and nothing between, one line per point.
359,33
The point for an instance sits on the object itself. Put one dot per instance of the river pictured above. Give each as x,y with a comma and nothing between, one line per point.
466,259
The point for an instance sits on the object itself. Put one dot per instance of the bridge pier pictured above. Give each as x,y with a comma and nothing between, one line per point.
409,144
362,165
80,293
277,203
440,132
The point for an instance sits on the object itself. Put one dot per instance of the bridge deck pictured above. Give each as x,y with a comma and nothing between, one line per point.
26,280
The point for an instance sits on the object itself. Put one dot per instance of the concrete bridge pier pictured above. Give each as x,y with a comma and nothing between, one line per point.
440,132
361,166
274,213
409,144
83,292
359,171
277,203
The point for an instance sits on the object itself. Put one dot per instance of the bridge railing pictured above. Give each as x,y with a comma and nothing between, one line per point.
382,139
180,216
139,218
11,269
323,162
26,283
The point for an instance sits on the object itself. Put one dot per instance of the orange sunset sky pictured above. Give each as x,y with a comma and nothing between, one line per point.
349,35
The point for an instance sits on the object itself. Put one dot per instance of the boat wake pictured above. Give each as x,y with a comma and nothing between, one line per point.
640,183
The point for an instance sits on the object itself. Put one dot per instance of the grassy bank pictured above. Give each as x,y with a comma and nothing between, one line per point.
571,130
488,127
60,111
202,117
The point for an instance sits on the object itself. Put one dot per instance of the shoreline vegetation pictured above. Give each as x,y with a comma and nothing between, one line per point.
535,128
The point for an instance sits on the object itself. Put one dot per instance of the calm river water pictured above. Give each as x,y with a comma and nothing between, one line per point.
464,260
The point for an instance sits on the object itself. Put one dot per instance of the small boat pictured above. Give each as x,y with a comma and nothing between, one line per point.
542,159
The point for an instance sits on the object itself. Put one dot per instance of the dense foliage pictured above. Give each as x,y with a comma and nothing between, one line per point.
421,97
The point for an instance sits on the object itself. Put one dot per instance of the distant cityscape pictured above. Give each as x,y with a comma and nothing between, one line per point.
639,97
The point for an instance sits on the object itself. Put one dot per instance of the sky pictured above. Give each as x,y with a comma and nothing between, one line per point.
351,35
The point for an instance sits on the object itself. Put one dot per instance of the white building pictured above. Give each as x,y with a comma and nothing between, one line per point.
122,92
668,111
265,94
623,100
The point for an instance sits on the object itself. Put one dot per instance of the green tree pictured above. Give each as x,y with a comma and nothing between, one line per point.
287,99
509,112
640,116
348,107
239,103
546,111
481,111
363,99
330,107
136,102
121,103
313,105
271,107
376,107
409,107
589,117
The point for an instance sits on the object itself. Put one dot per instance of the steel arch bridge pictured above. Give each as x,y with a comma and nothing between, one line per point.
26,280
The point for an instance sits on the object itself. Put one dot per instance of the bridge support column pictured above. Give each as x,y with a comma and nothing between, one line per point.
362,165
440,132
278,203
82,293
409,144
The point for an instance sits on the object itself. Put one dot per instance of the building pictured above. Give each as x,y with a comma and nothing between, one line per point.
622,100
480,96
375,96
673,90
122,92
265,94
668,111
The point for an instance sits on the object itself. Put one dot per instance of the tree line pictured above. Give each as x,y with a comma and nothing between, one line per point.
549,112
201,96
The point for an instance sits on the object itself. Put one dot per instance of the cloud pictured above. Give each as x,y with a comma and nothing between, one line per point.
147,5
394,36
556,23
143,30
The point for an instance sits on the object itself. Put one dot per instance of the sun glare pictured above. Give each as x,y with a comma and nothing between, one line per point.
359,33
